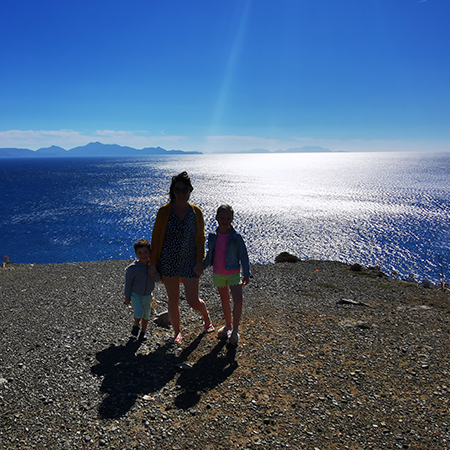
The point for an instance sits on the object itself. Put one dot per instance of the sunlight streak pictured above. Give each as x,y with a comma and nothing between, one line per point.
233,55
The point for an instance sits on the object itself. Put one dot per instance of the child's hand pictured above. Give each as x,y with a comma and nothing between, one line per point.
127,301
245,281
153,271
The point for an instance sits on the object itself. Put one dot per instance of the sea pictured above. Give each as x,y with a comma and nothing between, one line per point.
377,209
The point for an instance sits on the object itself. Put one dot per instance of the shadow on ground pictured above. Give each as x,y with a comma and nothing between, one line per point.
209,371
126,375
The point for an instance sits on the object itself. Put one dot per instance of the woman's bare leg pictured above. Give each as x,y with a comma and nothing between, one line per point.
172,285
191,289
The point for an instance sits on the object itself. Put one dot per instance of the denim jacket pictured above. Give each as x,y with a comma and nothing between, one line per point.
236,253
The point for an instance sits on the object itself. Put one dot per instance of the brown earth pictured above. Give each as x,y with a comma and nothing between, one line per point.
329,358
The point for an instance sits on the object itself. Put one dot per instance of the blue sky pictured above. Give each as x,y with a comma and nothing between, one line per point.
226,75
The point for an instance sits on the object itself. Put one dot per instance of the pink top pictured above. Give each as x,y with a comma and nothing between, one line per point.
220,249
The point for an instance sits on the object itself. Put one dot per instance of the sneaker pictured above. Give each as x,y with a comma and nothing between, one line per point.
135,330
234,339
142,336
223,333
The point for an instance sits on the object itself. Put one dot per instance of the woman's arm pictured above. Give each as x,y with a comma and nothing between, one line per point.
159,232
200,237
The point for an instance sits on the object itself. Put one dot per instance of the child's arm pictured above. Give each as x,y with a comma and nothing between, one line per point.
245,281
129,276
153,271
209,254
156,276
243,256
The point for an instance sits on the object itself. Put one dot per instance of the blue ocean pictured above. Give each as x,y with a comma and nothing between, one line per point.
385,209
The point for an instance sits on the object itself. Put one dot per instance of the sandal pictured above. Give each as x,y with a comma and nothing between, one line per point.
209,328
177,339
234,339
223,333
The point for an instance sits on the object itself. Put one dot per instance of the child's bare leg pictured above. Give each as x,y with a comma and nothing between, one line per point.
236,292
136,321
226,308
191,290
144,325
172,286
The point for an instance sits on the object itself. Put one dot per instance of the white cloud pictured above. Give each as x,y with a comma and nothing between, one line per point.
67,139
34,139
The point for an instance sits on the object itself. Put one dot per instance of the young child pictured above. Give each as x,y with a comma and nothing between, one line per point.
139,285
227,253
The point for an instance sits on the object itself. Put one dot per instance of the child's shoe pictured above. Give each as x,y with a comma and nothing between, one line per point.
135,330
223,333
143,336
234,339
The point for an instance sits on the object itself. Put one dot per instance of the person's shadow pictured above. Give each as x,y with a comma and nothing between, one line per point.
127,375
209,371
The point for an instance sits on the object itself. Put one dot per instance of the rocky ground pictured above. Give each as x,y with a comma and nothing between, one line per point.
329,358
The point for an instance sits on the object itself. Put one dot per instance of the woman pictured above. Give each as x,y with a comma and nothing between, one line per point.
178,247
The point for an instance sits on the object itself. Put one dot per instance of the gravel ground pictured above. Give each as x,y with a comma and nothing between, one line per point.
312,371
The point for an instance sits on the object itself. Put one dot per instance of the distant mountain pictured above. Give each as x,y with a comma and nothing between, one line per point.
93,149
306,149
259,150
52,152
15,153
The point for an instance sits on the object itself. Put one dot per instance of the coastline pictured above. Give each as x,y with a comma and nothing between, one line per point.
312,370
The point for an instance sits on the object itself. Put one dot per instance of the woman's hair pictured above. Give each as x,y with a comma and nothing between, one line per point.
225,208
185,179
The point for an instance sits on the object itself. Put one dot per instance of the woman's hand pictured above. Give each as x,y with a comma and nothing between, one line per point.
198,268
153,271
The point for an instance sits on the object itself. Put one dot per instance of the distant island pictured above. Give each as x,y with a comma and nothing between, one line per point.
306,149
93,149
97,149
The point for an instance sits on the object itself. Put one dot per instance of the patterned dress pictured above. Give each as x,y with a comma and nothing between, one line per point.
178,254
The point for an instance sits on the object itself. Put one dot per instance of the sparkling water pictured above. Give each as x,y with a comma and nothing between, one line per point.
386,209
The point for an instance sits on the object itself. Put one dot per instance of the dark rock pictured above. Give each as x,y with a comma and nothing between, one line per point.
286,257
162,320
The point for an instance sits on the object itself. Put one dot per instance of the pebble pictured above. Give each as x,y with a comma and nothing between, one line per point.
308,373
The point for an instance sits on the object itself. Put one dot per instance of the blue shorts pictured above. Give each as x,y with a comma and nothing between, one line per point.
141,305
231,279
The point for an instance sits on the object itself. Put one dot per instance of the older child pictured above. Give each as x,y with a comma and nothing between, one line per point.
139,285
227,253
